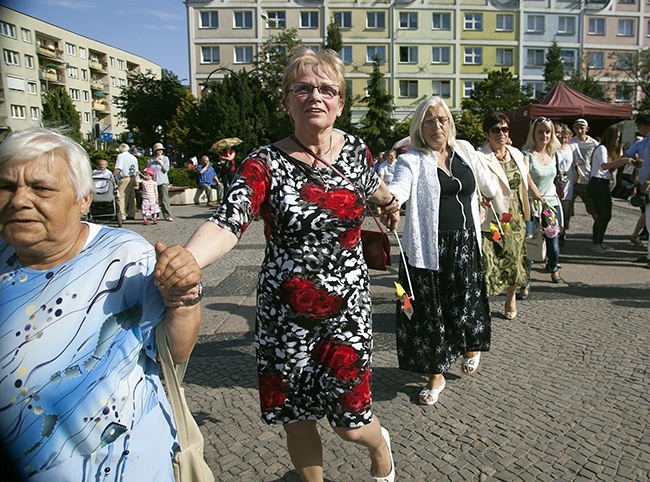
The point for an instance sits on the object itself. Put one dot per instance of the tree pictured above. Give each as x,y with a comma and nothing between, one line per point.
59,112
378,123
334,37
149,104
499,92
553,67
274,54
469,127
634,68
586,84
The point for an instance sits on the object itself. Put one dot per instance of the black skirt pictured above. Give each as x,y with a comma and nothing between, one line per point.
451,312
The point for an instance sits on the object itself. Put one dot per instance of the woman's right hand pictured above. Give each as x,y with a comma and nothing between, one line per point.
390,220
176,274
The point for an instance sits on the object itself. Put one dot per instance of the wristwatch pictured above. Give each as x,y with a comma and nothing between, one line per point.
198,298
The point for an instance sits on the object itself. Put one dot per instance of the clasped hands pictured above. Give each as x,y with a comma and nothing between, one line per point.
177,274
389,215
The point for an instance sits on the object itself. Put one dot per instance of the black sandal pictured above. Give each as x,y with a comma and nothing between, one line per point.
524,292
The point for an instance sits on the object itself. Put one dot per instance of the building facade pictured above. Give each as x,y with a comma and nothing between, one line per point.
429,47
38,57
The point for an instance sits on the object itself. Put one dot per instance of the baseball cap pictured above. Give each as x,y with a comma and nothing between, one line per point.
581,122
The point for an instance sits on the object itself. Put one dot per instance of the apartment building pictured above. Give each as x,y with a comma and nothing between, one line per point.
429,47
39,56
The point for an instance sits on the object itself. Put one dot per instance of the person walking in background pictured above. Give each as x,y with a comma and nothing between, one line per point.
566,175
607,157
160,164
638,151
387,167
228,167
504,258
149,191
582,163
207,178
643,183
313,323
443,180
126,168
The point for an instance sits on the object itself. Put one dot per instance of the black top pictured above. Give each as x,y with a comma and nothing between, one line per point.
455,196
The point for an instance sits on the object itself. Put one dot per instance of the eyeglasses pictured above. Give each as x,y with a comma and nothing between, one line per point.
435,121
303,90
497,129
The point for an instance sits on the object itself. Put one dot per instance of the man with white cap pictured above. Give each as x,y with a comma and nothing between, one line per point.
582,162
160,164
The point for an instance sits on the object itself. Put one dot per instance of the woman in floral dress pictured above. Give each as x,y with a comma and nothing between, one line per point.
313,326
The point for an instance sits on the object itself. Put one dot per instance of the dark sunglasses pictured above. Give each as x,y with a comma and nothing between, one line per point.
542,119
497,129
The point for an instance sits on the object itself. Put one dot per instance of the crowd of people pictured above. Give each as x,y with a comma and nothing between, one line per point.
80,387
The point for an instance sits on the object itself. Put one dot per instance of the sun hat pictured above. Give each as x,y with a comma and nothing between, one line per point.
158,146
581,122
149,171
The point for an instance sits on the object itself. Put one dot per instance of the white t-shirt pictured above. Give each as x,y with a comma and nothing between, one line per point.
387,170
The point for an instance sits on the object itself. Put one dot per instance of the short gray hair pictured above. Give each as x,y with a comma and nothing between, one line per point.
124,147
31,144
415,131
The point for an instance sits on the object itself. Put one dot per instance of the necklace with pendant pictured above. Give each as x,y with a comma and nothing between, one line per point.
315,157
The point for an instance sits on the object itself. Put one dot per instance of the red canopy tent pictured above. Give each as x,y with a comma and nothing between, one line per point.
565,104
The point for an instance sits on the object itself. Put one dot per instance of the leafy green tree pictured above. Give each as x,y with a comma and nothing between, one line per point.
587,85
149,104
274,54
334,37
634,68
469,126
378,123
553,67
59,112
499,92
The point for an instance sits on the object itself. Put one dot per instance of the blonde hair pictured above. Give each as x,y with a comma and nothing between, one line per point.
415,131
326,61
552,146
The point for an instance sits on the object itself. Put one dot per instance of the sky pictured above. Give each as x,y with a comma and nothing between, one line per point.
153,29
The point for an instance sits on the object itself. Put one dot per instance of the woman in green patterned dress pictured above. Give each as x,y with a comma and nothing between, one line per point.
505,262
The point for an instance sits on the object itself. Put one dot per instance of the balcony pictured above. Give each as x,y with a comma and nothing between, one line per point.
100,106
97,85
97,66
3,122
50,52
51,76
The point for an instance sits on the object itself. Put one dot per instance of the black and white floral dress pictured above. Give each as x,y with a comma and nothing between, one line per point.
313,324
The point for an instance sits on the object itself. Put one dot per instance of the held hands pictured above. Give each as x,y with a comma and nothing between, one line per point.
390,220
177,274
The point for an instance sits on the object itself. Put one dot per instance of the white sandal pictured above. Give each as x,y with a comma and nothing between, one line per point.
434,393
391,476
470,365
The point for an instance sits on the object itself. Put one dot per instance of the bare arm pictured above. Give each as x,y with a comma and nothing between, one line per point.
182,326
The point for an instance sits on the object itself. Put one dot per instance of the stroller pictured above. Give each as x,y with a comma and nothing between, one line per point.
104,203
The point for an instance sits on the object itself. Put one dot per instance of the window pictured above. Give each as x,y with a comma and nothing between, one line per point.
624,61
84,74
85,96
535,58
468,88
7,29
111,61
29,61
630,2
120,64
408,88
210,55
31,87
568,59
121,82
376,20
408,20
243,55
73,72
113,82
18,111
536,88
440,55
566,25
27,35
648,29
15,83
346,54
244,19
34,113
379,50
596,26
70,49
276,19
86,117
82,53
441,88
505,22
505,57
441,21
626,28
624,93
473,21
473,55
11,57
408,55
308,19
209,20
535,24
343,19
596,60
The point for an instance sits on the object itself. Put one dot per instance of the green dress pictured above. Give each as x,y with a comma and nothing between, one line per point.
508,265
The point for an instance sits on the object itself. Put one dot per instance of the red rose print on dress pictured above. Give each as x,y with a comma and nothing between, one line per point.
272,392
343,203
341,359
350,239
357,400
257,176
304,297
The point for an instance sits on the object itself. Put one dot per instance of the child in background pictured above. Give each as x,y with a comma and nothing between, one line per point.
149,190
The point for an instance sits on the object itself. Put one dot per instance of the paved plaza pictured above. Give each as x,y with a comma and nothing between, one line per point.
563,394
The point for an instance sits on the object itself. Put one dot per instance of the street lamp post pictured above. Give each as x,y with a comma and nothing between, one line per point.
207,92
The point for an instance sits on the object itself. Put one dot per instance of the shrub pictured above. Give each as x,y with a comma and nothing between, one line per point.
180,176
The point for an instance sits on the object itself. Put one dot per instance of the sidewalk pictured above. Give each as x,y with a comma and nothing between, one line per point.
562,395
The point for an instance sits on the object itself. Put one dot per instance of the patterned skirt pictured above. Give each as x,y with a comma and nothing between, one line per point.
451,312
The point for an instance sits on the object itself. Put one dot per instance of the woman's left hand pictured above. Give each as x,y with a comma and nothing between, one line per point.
177,274
390,219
